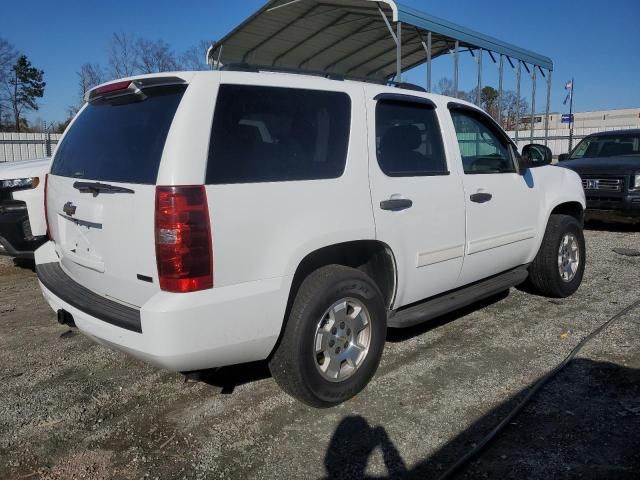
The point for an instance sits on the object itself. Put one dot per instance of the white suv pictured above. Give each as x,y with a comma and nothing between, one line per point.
199,220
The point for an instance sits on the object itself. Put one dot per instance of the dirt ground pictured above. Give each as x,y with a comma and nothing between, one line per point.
73,409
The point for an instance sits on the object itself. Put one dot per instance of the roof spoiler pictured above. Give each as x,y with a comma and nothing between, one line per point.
130,87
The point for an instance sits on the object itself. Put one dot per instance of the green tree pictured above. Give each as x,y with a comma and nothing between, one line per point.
25,86
489,100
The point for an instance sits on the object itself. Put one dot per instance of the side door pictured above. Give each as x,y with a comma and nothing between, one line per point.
502,205
418,201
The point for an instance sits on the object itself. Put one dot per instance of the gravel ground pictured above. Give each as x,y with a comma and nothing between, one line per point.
73,409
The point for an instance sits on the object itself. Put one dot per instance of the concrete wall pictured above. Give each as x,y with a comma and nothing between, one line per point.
27,146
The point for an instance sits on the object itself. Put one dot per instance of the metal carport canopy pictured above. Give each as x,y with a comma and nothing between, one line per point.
352,38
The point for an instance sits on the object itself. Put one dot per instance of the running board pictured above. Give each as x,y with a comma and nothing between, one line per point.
448,302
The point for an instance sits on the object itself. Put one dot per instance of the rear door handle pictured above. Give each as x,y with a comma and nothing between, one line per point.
396,204
481,197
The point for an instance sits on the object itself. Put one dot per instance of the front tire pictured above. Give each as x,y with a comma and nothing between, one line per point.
558,268
333,339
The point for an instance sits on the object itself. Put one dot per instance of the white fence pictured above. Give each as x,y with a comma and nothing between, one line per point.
27,146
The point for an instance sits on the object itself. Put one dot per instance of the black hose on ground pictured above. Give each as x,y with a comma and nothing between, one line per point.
537,386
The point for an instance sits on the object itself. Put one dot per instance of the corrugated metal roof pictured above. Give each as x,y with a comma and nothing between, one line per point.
348,37
470,37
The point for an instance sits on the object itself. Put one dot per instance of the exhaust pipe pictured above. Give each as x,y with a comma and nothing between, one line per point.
65,318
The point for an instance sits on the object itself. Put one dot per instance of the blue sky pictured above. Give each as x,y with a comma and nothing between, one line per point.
596,42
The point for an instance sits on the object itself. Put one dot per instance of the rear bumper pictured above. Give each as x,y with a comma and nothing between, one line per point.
66,290
183,332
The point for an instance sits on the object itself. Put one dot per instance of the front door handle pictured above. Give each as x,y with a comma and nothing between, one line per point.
481,197
396,204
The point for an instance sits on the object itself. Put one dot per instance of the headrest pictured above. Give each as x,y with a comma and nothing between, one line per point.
402,137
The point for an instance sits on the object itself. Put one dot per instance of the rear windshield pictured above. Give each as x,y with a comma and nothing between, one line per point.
119,141
267,134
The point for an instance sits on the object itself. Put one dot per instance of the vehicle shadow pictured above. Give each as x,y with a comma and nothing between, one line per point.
618,227
396,335
25,263
584,424
228,378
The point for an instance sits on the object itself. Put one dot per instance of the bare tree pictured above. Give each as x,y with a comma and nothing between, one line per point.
122,55
445,87
511,107
129,56
89,76
8,57
194,58
154,56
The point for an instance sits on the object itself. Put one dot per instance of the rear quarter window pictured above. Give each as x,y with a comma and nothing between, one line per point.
119,141
269,134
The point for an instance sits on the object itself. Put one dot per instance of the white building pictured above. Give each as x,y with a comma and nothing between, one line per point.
605,119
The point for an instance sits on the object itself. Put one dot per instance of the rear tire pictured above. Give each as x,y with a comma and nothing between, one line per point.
558,268
337,324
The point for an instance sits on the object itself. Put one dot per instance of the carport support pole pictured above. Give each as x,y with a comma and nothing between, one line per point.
399,53
455,68
219,65
500,87
518,77
429,40
548,110
533,102
479,87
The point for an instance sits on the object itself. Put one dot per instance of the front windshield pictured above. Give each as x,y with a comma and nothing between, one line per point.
607,146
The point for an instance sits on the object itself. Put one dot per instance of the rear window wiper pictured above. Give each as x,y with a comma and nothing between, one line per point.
97,188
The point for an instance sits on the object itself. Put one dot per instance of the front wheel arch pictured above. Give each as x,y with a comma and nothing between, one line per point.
572,209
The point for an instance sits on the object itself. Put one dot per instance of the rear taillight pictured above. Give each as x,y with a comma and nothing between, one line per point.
46,214
183,239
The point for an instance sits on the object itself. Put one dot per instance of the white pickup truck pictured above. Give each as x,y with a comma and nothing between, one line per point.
202,219
22,225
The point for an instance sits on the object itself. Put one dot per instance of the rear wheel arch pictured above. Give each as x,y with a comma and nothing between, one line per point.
372,257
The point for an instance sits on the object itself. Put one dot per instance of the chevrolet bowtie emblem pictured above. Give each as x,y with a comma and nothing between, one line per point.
69,208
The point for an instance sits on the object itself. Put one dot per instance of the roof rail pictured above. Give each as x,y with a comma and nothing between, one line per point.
246,67
408,86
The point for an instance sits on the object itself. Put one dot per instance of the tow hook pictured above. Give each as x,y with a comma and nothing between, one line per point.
65,318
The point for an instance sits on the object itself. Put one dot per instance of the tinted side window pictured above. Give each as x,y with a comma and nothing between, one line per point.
481,148
408,140
119,141
267,134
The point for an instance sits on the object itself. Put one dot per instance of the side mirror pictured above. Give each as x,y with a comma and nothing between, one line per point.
537,155
524,164
563,156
